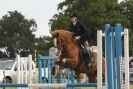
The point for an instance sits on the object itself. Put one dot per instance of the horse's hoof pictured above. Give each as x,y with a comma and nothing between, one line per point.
75,76
61,68
58,62
62,64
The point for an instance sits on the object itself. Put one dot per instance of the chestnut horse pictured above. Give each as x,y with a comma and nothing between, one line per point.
71,58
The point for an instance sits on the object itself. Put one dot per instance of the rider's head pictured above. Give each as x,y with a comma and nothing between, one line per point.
73,18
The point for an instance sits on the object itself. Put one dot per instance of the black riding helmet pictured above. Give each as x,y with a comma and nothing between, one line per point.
73,15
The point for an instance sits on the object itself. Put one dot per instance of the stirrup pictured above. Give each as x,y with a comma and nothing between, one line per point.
90,66
91,60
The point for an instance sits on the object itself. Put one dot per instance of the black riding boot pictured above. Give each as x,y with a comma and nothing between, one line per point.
86,56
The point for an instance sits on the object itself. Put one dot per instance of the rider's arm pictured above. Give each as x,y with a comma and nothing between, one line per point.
82,27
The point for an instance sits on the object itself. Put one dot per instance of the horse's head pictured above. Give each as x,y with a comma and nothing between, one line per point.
62,38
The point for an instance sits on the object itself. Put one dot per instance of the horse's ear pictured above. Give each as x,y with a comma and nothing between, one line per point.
54,34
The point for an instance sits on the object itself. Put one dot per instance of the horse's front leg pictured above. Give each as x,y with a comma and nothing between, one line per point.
70,62
59,60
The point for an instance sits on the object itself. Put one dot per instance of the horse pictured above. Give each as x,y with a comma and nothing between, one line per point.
70,55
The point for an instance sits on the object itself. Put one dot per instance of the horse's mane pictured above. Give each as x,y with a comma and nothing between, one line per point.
64,35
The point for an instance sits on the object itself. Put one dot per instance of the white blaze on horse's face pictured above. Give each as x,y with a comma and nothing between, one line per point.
57,51
55,42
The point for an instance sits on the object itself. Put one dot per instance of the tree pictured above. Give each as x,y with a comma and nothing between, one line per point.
59,21
93,14
16,33
127,10
43,45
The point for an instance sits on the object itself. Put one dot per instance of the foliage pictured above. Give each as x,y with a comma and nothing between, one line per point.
94,14
127,10
16,33
59,21
43,44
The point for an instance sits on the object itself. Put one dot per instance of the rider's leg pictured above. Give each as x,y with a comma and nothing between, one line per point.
84,43
86,48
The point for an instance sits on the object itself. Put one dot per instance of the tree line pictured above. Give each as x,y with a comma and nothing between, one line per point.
94,14
16,31
17,36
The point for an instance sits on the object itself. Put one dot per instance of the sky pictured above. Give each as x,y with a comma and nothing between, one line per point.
40,10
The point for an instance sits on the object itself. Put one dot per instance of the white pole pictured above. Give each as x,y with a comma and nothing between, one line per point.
21,69
126,54
26,77
30,68
99,59
18,69
47,86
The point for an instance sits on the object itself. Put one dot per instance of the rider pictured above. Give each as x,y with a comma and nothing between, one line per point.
81,34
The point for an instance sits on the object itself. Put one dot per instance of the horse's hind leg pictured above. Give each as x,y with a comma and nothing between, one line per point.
83,78
92,78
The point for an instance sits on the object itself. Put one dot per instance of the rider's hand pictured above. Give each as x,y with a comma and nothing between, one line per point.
77,37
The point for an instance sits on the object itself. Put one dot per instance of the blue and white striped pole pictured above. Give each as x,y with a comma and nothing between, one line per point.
109,59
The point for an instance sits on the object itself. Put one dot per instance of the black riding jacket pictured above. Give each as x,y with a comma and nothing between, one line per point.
78,29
